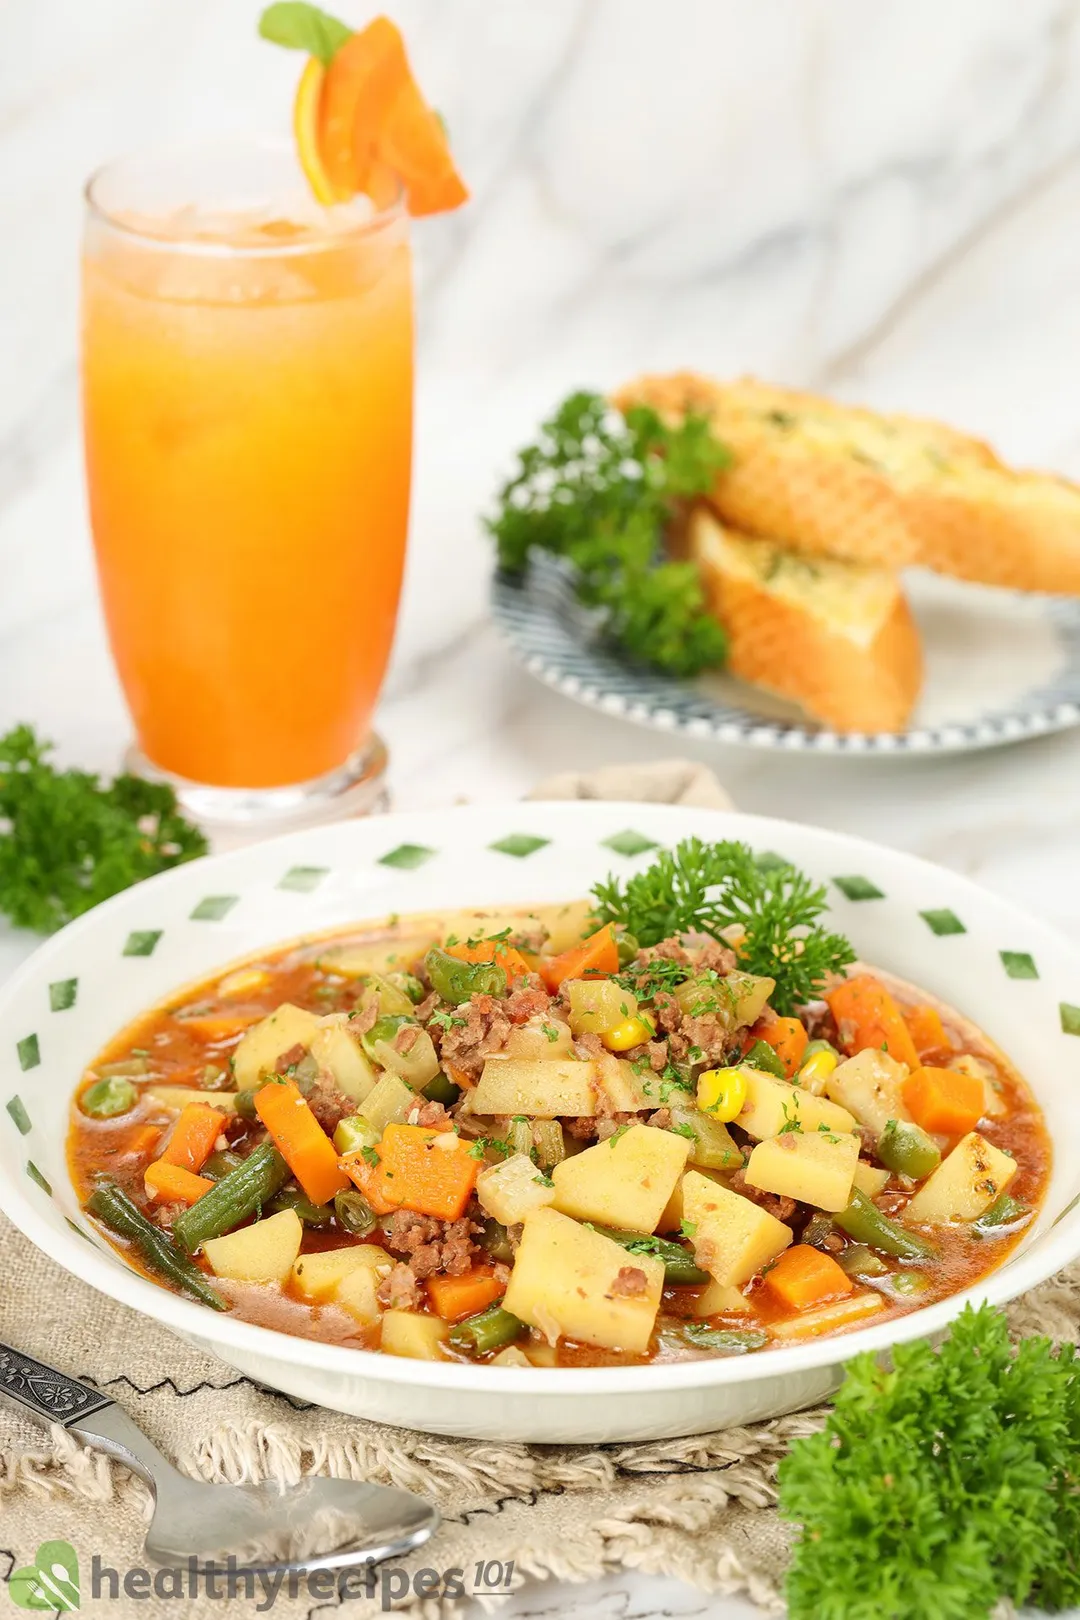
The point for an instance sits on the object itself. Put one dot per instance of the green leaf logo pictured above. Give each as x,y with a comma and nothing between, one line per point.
51,1582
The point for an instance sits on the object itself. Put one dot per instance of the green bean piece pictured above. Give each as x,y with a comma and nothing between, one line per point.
442,1090
408,984
727,1341
231,1200
908,1150
383,1029
680,1269
908,1283
1004,1213
488,1330
309,1213
245,1103
219,1164
859,1261
863,1221
627,946
459,981
115,1210
354,1213
107,1098
762,1056
496,1240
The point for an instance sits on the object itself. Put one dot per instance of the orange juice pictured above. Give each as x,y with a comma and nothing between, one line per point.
247,397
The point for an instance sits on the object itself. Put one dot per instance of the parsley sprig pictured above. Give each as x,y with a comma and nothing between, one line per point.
67,842
598,489
940,1487
713,888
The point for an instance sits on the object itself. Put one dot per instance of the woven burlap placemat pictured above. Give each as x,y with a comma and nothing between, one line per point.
701,1509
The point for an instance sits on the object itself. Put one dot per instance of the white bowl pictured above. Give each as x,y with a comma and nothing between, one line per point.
1018,980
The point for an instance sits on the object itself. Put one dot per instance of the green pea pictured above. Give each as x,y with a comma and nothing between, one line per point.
383,1030
107,1098
627,946
442,1090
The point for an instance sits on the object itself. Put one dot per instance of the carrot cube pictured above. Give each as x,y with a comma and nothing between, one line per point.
946,1102
803,1277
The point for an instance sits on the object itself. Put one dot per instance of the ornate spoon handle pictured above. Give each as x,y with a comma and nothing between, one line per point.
50,1395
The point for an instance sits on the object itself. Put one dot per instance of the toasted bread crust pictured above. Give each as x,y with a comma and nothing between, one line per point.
851,685
836,480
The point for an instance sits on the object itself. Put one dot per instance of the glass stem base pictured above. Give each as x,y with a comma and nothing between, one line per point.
233,816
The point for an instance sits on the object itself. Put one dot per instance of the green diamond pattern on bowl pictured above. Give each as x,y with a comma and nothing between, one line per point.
214,907
1070,1018
943,922
79,1230
35,1175
629,842
406,857
1019,965
519,844
62,994
29,1052
17,1110
303,878
858,888
142,942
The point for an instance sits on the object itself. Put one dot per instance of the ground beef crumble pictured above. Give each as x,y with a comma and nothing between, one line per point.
329,1105
629,1282
431,1245
785,1209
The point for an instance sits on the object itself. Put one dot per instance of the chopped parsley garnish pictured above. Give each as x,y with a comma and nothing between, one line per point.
685,1129
370,1155
772,911
688,1228
619,1131
550,1031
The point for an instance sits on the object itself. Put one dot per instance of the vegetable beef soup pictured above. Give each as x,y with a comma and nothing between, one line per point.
592,1134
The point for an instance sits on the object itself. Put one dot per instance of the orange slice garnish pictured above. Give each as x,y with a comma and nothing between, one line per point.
362,125
306,109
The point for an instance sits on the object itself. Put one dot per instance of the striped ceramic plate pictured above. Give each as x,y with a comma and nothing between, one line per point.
1000,667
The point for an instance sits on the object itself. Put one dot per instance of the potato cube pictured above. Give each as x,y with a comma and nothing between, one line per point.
717,1299
869,1178
732,1237
358,1293
263,1252
407,1333
541,1038
513,1189
625,1090
542,1089
624,1181
597,1005
771,1104
672,1217
338,1051
257,1054
964,1185
174,1098
870,1086
317,1276
572,1282
815,1167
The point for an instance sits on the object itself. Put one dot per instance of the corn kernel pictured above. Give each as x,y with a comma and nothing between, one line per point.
631,1032
816,1070
722,1093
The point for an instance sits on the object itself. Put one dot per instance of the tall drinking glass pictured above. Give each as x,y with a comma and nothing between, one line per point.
247,405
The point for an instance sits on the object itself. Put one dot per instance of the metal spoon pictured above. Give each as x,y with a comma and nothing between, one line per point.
316,1524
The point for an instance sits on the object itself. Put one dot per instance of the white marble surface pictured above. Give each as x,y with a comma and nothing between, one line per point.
880,199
